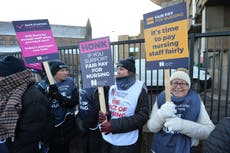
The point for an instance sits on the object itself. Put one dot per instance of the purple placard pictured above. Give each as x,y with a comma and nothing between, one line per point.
36,41
96,63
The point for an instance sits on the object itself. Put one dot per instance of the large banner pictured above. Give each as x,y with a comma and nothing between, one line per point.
166,38
96,63
36,41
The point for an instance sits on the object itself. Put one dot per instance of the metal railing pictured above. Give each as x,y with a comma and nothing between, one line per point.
214,48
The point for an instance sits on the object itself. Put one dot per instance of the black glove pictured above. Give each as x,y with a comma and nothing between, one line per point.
62,100
54,93
53,89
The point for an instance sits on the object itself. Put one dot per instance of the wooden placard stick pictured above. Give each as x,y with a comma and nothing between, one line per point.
48,73
167,86
37,77
102,100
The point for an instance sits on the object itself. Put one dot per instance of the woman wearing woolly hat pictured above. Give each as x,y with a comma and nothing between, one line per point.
63,97
127,111
181,123
24,111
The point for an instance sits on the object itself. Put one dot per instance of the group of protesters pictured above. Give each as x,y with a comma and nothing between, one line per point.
40,117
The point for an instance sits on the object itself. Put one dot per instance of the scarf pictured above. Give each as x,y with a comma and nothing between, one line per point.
125,83
12,88
189,109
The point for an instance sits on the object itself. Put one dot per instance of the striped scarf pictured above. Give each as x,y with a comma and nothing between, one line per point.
12,88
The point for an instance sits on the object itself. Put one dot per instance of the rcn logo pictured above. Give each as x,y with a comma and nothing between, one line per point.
161,64
165,64
39,58
93,82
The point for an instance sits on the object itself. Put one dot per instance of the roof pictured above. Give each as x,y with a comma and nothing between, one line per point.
6,28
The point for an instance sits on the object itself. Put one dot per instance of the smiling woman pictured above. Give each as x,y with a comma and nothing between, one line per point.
180,83
175,122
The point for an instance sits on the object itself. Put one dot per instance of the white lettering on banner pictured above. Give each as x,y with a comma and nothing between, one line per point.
55,104
182,107
84,105
98,69
92,65
95,59
102,63
97,75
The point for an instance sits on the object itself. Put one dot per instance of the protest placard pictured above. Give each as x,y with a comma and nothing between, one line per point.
37,43
166,39
96,65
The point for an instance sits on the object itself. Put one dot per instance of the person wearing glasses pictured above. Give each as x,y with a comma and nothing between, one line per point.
180,123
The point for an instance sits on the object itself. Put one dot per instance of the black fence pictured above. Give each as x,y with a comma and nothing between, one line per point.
209,66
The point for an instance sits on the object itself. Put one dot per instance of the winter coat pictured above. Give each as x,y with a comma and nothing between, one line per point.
87,121
35,123
63,109
88,109
219,139
204,124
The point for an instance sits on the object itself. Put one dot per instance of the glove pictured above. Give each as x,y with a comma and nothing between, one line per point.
167,110
106,127
53,89
102,117
174,124
54,93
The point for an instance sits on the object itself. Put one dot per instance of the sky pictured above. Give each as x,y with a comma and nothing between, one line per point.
107,17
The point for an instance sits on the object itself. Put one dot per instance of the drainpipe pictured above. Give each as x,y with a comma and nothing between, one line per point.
194,14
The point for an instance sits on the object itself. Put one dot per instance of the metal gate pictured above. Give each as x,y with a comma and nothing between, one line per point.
208,52
211,51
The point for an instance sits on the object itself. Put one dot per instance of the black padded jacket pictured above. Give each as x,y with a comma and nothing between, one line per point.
35,123
219,139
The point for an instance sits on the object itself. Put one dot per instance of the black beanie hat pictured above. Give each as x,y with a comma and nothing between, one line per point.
10,65
128,64
56,66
